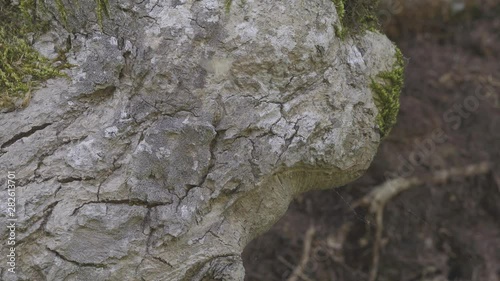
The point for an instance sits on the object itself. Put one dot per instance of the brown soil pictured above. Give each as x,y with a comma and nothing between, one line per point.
432,232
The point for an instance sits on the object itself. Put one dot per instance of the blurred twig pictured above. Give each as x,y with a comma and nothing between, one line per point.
306,253
382,194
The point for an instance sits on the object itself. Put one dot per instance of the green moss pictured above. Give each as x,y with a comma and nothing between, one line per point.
339,29
386,94
21,67
62,11
227,5
101,10
356,16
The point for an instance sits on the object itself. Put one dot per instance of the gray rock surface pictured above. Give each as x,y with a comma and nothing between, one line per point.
183,131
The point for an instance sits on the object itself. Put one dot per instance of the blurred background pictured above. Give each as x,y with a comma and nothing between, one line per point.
443,154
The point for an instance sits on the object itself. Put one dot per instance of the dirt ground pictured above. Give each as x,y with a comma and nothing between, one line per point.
449,118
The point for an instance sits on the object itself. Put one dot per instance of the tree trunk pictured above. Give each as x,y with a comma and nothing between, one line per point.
183,131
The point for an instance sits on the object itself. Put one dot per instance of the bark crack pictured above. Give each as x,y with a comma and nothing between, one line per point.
162,261
59,255
130,202
26,134
46,213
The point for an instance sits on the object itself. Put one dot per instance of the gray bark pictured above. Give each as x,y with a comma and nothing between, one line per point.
183,132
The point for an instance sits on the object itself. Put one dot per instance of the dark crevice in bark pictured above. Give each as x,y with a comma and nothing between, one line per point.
72,179
130,202
162,261
98,265
28,133
97,96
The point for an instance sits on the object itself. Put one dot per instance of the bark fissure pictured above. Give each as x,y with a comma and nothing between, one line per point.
26,134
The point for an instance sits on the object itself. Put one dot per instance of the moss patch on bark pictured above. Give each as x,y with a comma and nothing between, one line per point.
21,67
387,89
356,16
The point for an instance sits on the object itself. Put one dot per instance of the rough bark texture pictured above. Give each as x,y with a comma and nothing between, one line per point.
184,130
